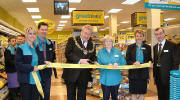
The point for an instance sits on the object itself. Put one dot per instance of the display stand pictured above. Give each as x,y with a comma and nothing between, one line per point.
123,88
175,85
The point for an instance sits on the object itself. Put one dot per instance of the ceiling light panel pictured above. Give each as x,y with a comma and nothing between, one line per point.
61,25
74,1
29,0
32,9
114,10
71,9
106,17
124,22
122,29
65,16
102,29
168,19
58,29
35,21
129,28
130,2
36,16
65,21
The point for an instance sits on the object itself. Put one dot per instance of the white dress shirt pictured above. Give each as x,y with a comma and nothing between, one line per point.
163,43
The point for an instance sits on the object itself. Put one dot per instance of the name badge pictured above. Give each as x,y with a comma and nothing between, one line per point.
123,53
50,48
116,55
166,50
143,48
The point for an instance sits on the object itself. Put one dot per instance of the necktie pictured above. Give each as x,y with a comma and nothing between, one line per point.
44,51
159,53
84,45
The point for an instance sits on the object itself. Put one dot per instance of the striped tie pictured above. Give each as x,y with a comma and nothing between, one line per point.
44,51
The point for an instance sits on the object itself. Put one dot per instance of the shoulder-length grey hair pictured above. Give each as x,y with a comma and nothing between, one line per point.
107,37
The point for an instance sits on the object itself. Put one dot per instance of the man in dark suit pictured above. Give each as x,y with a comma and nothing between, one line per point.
79,50
165,59
45,53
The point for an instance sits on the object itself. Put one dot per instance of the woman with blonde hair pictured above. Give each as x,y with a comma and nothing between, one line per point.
138,53
26,60
110,78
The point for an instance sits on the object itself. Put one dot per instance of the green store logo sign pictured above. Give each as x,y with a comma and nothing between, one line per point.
78,16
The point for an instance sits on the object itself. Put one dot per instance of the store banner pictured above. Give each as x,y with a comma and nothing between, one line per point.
130,37
122,37
92,17
163,4
140,18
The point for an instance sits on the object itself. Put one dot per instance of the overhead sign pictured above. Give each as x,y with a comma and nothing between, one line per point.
140,18
163,4
92,17
51,25
122,37
130,37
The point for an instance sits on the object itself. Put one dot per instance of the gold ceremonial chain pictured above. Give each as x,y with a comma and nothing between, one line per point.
89,51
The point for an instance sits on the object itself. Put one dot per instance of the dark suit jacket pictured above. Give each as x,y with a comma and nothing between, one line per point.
45,73
169,60
9,61
73,55
142,73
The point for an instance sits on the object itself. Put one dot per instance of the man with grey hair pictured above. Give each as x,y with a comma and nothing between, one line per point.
79,50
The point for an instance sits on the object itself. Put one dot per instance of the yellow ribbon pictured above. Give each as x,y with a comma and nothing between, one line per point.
38,84
63,65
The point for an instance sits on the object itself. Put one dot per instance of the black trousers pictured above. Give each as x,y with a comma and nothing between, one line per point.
29,92
71,90
163,90
13,93
46,85
110,90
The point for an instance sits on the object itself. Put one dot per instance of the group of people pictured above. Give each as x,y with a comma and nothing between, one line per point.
21,60
80,50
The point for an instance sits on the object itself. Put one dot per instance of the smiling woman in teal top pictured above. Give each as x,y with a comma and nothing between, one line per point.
138,53
26,60
110,78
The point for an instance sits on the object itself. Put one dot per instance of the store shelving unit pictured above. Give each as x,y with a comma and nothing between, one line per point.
60,52
3,85
4,92
123,88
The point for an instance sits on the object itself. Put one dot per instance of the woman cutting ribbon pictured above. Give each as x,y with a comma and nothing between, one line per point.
138,53
26,60
110,78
